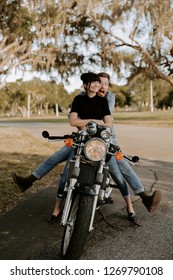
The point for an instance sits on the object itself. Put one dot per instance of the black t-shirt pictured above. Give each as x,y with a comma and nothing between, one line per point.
90,108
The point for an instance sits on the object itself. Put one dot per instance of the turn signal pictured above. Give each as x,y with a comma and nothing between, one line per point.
68,142
119,156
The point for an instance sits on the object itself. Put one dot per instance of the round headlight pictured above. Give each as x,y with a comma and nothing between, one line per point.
95,149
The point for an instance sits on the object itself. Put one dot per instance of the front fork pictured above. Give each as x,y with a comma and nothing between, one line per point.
68,201
71,187
97,189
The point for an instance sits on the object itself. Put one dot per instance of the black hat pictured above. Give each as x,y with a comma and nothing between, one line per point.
89,77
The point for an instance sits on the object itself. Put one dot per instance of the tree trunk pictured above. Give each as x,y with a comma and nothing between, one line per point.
56,110
151,96
29,106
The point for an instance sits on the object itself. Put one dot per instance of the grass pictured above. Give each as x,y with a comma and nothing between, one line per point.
157,118
21,153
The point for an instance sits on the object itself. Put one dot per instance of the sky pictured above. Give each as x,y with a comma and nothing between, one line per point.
74,82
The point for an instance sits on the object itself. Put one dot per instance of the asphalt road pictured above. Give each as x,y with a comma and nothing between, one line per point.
25,233
148,142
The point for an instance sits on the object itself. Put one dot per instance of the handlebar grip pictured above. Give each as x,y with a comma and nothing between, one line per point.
45,134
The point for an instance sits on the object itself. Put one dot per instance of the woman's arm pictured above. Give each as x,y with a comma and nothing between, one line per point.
107,120
75,121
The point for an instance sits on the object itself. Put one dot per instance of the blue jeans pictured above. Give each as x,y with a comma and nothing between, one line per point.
58,157
115,172
120,171
118,177
130,176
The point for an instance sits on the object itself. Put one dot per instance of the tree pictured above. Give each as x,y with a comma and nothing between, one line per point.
32,97
4,101
30,35
148,47
140,91
129,37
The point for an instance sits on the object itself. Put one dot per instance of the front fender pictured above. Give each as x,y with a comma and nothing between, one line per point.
88,190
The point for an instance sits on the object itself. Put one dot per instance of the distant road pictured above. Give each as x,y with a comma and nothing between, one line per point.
155,143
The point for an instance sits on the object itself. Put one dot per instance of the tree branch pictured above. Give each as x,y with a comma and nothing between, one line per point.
137,47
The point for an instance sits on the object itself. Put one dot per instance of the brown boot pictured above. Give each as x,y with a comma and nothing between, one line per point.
23,183
151,202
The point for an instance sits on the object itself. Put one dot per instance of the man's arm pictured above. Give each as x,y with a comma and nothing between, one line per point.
111,101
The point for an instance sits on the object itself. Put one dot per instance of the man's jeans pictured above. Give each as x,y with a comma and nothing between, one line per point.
128,174
118,177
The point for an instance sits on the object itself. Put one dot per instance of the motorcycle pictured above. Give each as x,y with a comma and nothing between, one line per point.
88,184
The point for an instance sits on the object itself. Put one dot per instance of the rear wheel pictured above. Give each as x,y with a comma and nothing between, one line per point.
76,231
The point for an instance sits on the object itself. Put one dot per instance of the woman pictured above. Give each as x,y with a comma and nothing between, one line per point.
91,107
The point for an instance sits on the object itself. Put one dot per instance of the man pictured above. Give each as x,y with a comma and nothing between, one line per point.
128,173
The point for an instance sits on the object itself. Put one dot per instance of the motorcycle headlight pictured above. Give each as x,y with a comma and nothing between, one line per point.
95,149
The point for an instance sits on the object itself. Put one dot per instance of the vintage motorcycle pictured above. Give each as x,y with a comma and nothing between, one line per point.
88,184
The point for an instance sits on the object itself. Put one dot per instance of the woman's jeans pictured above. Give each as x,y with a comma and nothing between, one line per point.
58,157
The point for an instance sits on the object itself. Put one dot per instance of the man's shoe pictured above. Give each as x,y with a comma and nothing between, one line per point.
22,183
151,202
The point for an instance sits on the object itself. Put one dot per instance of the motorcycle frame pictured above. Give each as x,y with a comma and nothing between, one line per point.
71,188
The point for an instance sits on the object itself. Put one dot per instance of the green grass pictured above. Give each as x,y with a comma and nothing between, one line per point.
157,118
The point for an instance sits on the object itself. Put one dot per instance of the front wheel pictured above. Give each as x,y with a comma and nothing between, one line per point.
76,231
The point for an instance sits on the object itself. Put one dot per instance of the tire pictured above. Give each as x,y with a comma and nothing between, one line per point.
75,235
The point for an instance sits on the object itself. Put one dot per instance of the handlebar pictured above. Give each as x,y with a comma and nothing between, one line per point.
45,134
75,135
133,159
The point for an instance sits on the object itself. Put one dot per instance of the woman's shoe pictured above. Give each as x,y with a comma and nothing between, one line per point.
131,216
22,183
53,219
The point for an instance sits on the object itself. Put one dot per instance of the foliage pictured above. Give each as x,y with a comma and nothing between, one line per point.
44,95
73,36
166,101
140,91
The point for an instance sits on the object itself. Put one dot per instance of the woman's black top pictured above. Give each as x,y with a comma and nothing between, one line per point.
90,107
